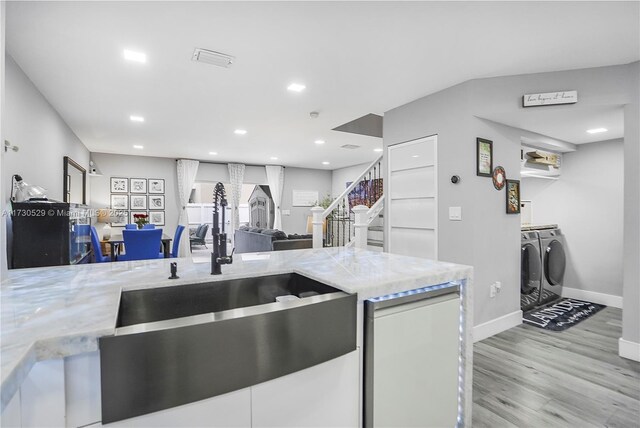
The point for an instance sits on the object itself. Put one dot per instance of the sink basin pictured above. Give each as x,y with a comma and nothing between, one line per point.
176,345
157,304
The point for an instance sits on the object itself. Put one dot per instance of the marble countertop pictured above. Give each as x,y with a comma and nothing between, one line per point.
59,311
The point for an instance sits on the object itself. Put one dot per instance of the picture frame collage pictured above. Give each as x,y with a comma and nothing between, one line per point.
138,196
484,168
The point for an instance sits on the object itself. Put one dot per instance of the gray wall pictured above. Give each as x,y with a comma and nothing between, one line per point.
631,287
487,238
294,179
136,167
587,203
3,192
42,135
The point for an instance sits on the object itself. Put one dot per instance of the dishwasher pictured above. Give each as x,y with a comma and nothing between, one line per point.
411,361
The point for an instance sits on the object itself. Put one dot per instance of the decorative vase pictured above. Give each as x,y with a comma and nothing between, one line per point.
140,225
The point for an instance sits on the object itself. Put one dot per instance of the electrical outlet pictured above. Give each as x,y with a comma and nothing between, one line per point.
492,290
498,286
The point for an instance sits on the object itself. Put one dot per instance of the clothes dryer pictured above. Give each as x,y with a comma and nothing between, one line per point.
554,262
530,270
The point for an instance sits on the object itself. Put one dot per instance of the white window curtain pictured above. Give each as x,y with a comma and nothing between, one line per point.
236,175
187,170
275,179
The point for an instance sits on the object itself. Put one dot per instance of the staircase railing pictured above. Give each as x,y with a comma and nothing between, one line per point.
335,225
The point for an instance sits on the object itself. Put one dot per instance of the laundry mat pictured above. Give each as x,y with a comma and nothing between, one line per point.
562,315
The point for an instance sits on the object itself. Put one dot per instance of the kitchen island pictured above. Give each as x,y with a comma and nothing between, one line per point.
53,313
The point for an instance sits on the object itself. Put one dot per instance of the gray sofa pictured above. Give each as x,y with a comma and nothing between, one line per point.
253,240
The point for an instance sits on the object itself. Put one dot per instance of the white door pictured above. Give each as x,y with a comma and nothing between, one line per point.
412,223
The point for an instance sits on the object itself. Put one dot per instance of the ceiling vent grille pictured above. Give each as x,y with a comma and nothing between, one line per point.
350,146
213,58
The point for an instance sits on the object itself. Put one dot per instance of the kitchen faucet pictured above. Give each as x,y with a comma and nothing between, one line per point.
219,254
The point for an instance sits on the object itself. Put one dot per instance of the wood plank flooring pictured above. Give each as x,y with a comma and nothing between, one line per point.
530,377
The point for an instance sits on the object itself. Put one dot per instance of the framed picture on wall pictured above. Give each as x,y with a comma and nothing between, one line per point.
156,202
120,218
484,157
119,202
156,217
138,185
119,185
156,185
513,196
138,202
132,213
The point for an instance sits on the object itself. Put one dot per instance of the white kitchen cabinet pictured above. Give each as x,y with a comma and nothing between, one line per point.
325,395
412,369
11,417
42,396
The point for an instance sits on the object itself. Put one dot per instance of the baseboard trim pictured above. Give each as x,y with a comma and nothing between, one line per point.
498,325
629,350
593,297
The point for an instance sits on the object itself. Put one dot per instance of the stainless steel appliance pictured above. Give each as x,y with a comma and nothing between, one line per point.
554,263
530,270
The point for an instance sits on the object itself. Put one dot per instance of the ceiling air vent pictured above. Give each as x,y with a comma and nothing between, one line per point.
350,146
213,58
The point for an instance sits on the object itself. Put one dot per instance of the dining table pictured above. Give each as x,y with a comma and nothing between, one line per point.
116,241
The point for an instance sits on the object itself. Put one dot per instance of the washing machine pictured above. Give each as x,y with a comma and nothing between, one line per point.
554,263
530,270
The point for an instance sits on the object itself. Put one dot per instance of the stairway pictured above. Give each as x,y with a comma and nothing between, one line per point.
375,234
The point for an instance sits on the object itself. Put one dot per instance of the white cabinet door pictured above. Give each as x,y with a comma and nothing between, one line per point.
415,368
42,395
326,395
412,203
232,410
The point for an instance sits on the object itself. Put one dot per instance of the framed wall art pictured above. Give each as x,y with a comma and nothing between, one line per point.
484,157
119,218
119,202
119,185
138,202
156,202
156,217
132,213
513,196
156,186
499,177
138,185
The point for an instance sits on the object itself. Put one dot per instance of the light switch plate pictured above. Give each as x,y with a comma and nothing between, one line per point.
455,213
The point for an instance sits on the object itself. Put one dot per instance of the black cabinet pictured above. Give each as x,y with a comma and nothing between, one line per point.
48,234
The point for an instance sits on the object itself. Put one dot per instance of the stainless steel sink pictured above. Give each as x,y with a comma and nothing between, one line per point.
176,345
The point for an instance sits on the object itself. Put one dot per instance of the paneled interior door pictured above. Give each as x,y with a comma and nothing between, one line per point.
412,225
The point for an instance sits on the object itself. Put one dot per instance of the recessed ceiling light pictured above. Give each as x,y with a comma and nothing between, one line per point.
319,142
597,130
273,158
135,56
138,146
415,156
377,150
296,87
240,131
136,118
213,153
325,163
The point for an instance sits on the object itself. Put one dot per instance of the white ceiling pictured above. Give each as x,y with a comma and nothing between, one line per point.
354,57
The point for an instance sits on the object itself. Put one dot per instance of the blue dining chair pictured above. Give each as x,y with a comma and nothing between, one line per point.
130,226
97,251
141,244
176,243
148,226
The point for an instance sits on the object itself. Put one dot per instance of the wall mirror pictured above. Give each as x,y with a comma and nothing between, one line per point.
75,182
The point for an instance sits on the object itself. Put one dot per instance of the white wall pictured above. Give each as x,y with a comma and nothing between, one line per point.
487,238
137,167
587,203
3,192
294,179
42,135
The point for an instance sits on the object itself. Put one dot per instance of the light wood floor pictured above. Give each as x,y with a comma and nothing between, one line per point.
530,377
